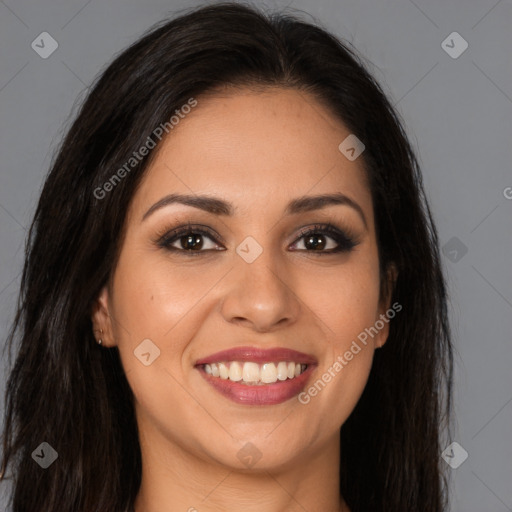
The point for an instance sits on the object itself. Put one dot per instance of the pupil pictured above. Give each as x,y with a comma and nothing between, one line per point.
313,243
192,242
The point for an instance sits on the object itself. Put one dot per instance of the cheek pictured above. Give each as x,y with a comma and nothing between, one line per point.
154,313
152,298
338,389
347,305
346,299
165,304
339,381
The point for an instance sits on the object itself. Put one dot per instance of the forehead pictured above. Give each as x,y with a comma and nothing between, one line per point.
252,147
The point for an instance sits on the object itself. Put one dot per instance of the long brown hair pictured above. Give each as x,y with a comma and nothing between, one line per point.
65,390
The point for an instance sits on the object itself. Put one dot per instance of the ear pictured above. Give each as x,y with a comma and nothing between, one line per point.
101,318
383,317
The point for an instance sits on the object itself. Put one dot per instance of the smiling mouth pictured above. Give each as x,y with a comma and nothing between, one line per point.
254,374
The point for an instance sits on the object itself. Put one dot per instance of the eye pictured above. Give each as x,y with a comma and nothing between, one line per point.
320,239
315,240
189,239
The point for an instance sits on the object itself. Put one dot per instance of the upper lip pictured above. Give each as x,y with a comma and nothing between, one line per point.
258,355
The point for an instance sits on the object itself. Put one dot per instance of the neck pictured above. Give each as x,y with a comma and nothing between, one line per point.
173,478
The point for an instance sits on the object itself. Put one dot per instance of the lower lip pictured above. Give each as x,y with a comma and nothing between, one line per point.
267,394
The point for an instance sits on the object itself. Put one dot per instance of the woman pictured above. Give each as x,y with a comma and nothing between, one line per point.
232,295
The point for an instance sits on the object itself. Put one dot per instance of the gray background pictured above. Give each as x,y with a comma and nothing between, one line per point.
457,112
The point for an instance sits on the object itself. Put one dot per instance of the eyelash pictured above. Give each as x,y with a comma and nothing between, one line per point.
345,241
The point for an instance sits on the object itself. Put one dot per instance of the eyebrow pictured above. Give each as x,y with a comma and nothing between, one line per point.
220,207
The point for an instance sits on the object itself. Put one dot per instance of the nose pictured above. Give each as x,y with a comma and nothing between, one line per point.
261,295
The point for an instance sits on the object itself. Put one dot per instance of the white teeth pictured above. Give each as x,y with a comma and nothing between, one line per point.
268,373
253,373
282,371
235,371
223,371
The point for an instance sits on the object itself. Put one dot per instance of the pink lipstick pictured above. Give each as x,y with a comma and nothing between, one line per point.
255,376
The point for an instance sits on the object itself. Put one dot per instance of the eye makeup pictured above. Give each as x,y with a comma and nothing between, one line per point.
191,239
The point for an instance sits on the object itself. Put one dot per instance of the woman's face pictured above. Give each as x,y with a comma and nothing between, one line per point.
252,286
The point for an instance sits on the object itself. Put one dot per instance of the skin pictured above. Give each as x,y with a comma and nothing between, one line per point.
257,150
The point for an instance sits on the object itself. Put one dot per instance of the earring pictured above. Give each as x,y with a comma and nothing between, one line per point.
100,340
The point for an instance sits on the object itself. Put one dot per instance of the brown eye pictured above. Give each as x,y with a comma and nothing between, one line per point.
194,240
191,242
316,239
189,239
